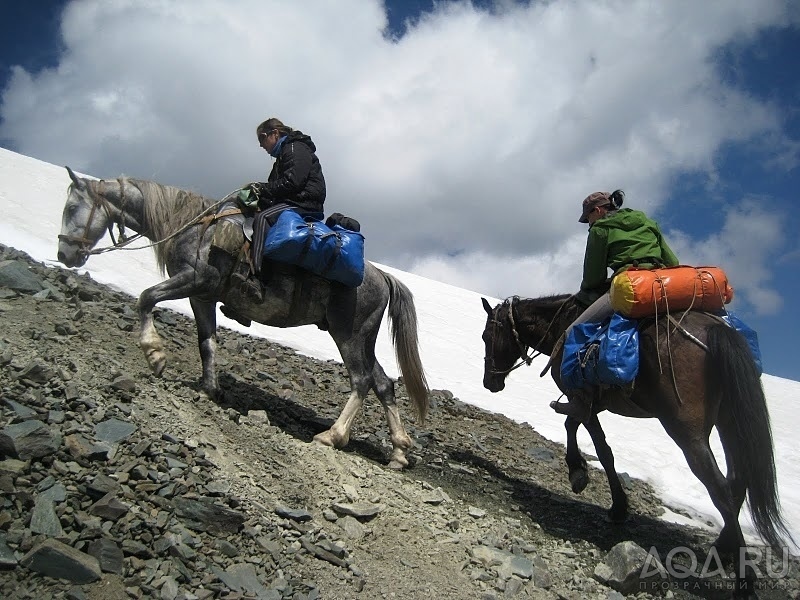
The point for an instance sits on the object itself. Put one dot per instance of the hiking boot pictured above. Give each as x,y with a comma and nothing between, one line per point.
579,405
232,314
251,289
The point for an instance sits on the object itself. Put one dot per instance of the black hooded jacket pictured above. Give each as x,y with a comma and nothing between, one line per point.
296,177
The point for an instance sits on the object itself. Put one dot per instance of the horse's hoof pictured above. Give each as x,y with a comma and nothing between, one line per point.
326,439
726,544
217,396
579,479
617,515
157,363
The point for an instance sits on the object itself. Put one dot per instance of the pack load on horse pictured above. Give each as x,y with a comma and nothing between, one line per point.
197,242
607,352
284,215
694,372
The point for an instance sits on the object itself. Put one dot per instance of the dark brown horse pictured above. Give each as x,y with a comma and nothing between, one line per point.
695,373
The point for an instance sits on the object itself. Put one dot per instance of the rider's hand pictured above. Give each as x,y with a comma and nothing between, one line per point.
257,189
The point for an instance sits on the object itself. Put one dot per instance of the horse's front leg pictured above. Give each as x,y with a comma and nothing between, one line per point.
578,469
180,286
353,357
619,500
205,317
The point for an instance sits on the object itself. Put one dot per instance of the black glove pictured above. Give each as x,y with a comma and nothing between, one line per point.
256,188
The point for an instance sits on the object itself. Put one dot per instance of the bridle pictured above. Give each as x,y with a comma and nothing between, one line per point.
525,358
99,202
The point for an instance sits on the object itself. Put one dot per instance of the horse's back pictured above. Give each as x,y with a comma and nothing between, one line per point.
672,363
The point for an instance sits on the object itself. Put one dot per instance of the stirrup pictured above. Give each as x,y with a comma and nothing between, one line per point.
580,410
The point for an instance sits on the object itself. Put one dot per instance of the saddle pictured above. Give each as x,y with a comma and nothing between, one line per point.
233,235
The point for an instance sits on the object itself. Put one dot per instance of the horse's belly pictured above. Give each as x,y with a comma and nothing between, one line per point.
287,301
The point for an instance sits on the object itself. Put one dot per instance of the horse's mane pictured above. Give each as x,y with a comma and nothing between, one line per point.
561,305
166,210
556,299
545,302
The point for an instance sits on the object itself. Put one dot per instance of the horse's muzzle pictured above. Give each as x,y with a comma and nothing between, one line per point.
72,259
494,384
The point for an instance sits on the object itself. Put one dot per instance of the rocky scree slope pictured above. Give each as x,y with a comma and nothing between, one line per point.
118,484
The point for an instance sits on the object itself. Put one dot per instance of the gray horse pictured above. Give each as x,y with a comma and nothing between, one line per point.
186,230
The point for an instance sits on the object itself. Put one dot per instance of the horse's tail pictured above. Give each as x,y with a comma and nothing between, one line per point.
733,372
403,328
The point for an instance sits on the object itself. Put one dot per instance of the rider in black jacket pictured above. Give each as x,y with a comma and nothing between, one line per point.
294,183
296,177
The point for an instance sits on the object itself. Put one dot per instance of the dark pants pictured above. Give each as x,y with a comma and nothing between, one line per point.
266,219
261,224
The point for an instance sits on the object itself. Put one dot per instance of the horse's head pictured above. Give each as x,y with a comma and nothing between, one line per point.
502,349
84,221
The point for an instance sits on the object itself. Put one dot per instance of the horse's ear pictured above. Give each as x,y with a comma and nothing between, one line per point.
486,306
79,183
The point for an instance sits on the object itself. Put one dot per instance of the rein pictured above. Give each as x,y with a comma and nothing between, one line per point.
99,201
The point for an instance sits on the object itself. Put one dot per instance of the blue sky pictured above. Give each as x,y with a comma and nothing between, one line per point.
492,123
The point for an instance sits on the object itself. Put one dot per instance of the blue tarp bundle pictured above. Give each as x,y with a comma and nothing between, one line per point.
332,252
605,352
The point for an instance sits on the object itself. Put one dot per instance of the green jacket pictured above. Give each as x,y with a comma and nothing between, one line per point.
621,239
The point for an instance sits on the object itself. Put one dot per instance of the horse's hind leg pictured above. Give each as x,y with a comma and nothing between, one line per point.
401,442
619,500
339,434
578,469
701,461
358,355
352,355
729,540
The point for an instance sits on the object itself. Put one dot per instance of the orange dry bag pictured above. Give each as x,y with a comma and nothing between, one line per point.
641,293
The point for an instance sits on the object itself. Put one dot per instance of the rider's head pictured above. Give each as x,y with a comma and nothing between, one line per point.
269,132
598,204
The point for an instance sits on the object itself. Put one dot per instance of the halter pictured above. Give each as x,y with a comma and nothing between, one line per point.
525,359
98,201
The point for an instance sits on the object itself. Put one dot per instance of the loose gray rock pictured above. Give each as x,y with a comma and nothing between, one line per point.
29,439
108,554
56,559
44,519
204,515
294,514
242,578
7,558
16,275
623,566
358,509
113,430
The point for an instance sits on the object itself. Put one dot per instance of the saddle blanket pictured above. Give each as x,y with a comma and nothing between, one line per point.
333,252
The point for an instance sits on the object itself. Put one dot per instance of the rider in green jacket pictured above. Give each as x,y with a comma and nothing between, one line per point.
619,238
